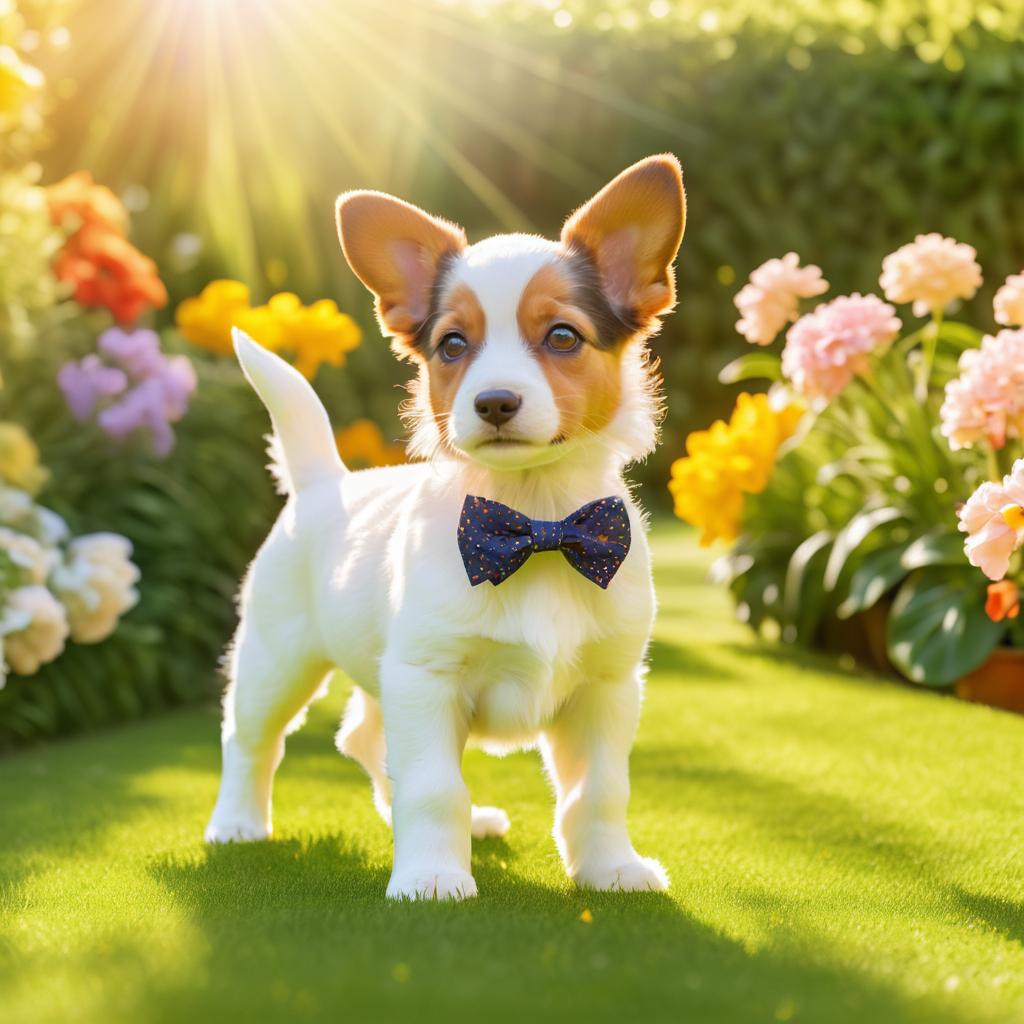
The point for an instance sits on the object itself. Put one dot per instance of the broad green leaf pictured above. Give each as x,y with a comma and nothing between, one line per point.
938,630
752,366
853,535
944,547
880,571
802,597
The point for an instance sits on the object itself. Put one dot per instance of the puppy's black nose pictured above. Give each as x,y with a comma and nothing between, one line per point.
497,406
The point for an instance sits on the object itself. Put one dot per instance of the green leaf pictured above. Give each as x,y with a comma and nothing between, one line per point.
938,630
853,535
940,547
752,366
880,571
802,597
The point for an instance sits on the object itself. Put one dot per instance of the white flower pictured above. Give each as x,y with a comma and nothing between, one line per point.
15,505
27,554
97,584
931,271
36,628
52,527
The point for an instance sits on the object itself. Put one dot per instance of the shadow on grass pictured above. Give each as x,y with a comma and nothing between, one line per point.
302,929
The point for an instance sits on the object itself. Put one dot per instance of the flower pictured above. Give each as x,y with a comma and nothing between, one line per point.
96,584
769,301
34,626
1003,601
87,382
827,347
206,319
1009,302
30,560
930,272
312,335
986,402
18,82
727,461
78,200
19,459
107,270
362,444
152,390
993,519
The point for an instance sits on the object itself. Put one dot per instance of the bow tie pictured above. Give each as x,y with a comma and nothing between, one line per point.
495,540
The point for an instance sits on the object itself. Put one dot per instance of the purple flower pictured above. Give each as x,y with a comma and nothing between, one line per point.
85,383
153,390
137,351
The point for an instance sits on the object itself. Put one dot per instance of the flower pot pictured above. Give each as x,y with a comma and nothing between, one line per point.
999,682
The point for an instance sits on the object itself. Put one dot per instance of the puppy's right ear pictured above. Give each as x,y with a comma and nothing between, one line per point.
396,250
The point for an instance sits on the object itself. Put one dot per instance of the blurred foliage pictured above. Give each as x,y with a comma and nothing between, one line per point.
838,130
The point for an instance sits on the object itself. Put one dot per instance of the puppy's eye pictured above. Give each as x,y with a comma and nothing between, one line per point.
453,346
563,338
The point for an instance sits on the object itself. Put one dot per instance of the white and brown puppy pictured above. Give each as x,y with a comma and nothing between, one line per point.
535,390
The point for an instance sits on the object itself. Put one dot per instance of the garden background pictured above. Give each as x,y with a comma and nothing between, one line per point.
226,129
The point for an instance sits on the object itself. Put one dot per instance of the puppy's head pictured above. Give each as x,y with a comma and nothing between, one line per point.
527,349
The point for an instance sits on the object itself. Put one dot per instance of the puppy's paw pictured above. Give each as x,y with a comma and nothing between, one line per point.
225,828
489,821
423,885
642,874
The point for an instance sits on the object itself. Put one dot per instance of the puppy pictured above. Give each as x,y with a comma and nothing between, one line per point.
438,586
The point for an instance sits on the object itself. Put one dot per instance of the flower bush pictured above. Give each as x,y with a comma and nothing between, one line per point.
893,510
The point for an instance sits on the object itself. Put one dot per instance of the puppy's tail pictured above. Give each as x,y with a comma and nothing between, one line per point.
303,448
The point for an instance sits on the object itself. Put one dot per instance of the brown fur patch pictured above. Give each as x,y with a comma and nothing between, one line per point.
586,383
458,310
632,229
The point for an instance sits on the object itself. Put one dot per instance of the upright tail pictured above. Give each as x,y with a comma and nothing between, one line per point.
305,450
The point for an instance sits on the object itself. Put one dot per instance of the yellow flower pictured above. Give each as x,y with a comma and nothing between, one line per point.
18,81
727,461
361,445
19,459
206,320
314,334
310,335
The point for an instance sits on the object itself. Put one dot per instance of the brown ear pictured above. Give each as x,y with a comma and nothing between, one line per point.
632,228
395,249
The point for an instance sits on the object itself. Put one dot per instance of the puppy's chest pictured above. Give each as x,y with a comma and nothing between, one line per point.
532,650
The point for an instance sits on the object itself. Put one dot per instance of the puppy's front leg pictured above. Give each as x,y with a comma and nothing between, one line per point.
425,726
586,751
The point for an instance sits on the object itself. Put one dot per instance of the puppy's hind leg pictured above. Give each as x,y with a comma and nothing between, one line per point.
269,690
361,737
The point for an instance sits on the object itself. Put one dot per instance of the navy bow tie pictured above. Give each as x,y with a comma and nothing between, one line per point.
495,540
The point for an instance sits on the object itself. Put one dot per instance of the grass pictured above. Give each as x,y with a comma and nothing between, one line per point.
841,849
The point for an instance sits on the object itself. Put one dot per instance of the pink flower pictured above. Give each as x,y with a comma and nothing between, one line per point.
769,301
993,518
1009,302
825,348
930,272
987,400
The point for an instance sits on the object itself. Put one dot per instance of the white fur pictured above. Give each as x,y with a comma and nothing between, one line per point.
362,573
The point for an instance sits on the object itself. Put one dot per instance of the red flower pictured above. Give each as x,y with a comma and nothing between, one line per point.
1003,601
107,270
79,200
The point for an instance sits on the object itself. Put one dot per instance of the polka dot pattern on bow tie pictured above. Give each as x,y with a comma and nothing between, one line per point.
496,540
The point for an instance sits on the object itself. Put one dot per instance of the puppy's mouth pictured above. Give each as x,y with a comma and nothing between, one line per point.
503,441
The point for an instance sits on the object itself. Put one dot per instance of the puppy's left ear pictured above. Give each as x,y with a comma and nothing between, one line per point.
632,229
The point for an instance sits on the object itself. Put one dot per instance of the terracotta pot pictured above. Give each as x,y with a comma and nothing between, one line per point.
999,682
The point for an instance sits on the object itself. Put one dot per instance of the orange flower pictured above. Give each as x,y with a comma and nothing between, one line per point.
1003,601
77,201
107,270
362,445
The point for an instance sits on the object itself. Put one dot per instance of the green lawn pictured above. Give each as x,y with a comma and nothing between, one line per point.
841,849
